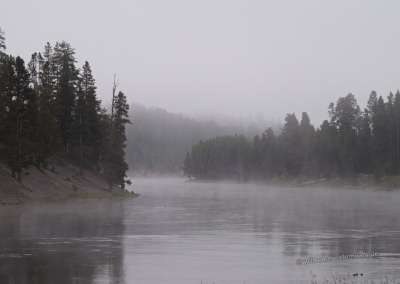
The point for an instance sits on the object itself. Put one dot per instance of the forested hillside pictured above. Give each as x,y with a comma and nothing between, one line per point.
349,143
49,110
159,140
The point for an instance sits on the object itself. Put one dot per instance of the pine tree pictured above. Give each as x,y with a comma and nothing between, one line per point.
380,137
365,140
18,102
66,81
46,137
34,70
345,117
115,166
291,145
307,134
391,147
257,159
92,119
326,151
271,161
2,45
79,129
50,139
396,106
86,138
187,166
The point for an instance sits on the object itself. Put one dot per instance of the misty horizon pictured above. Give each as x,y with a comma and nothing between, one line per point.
228,57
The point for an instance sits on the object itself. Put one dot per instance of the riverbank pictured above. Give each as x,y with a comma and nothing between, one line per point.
386,183
62,184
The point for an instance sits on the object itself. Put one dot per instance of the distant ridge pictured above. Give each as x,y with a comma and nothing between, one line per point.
158,140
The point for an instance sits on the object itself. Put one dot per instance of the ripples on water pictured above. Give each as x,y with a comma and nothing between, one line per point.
181,232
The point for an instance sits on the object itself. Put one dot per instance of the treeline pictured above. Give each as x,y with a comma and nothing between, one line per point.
349,143
49,109
158,139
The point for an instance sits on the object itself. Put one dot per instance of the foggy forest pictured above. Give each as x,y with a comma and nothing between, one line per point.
199,142
49,106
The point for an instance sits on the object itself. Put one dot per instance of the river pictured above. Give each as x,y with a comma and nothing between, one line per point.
181,233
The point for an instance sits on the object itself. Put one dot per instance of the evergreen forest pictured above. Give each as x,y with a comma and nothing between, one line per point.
158,139
49,110
349,143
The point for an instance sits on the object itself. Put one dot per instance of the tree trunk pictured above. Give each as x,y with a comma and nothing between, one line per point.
397,144
19,176
80,146
81,156
111,143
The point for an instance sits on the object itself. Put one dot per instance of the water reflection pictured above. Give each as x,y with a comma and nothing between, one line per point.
232,233
185,233
66,243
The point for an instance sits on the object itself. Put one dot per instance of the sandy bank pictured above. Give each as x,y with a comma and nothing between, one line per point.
64,183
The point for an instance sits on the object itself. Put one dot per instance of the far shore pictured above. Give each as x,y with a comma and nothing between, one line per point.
387,183
66,184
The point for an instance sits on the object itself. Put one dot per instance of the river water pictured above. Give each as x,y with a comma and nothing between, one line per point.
179,232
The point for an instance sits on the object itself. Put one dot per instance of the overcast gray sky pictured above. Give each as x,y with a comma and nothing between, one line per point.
228,56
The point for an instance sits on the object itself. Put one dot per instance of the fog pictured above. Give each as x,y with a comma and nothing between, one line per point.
62,243
244,65
230,57
180,232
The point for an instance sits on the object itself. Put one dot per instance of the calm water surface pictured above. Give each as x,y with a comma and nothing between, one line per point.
179,232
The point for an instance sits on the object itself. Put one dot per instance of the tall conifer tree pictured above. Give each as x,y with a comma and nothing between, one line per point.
115,165
18,102
66,76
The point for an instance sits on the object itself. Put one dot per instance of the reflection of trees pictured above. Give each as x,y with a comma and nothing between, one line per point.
78,243
338,222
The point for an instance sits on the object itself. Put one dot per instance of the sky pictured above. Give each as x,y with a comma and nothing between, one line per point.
231,57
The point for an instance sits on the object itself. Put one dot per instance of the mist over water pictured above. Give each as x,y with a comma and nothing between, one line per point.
215,90
63,243
179,232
